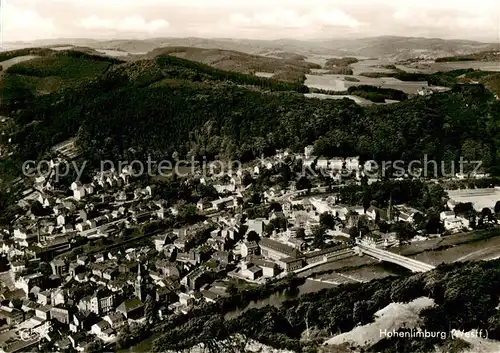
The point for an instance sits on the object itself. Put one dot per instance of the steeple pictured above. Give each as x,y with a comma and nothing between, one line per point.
139,286
389,216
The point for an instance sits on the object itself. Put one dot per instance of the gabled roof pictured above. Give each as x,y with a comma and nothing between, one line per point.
103,325
130,305
116,317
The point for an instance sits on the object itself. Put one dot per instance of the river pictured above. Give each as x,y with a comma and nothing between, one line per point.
275,299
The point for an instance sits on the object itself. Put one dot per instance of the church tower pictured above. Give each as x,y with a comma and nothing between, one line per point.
139,284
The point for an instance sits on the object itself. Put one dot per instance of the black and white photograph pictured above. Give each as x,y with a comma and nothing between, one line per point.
262,176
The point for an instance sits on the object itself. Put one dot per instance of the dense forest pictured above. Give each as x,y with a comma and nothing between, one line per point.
164,105
377,94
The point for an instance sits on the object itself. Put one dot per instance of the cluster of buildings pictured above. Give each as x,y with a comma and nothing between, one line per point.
72,267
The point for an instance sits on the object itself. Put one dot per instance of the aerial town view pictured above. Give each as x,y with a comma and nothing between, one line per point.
264,176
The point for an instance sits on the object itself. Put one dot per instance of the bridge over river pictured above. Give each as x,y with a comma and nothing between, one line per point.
411,264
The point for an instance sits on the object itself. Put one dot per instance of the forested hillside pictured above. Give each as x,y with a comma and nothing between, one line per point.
291,69
47,73
158,106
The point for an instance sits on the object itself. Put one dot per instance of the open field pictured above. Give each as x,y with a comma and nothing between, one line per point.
478,251
67,148
480,198
353,261
371,65
326,82
264,74
114,53
393,317
373,271
339,83
8,63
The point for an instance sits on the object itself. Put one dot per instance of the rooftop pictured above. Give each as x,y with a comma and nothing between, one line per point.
279,247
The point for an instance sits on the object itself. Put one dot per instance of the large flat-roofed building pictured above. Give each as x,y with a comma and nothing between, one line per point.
275,250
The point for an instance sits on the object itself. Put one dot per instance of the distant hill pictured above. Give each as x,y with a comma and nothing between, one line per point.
482,56
48,72
286,69
400,48
141,92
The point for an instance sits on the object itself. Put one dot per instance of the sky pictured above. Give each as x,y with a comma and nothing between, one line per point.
27,20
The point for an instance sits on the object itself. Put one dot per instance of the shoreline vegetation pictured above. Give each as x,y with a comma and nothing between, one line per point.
465,294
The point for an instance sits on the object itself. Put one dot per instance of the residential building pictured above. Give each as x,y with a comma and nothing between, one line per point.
61,314
250,248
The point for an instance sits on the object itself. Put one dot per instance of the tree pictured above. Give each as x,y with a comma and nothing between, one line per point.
487,215
188,213
404,231
354,232
301,233
44,268
275,207
303,183
246,178
364,224
319,234
367,198
124,337
207,191
269,228
38,210
232,289
327,220
256,198
463,208
94,346
279,222
253,236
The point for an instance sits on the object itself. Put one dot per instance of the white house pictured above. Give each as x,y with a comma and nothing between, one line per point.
115,320
61,220
76,185
99,328
453,223
79,193
308,150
